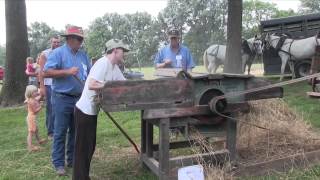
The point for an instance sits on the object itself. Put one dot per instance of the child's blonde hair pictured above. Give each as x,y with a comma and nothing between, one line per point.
29,90
29,59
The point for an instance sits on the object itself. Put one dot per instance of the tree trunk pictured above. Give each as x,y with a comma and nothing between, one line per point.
17,50
233,63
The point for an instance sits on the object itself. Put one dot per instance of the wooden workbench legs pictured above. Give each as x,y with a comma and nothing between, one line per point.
164,165
232,137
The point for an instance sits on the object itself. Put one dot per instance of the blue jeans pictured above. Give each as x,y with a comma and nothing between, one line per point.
63,125
49,112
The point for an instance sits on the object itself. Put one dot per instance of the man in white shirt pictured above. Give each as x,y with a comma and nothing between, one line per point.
86,110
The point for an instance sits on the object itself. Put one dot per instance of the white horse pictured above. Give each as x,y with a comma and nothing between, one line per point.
291,50
214,56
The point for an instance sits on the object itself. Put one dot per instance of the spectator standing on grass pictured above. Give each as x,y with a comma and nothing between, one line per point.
66,65
33,106
45,85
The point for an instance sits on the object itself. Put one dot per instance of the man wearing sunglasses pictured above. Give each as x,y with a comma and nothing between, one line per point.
174,55
67,66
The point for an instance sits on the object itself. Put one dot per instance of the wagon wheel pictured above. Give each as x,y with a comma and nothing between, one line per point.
302,68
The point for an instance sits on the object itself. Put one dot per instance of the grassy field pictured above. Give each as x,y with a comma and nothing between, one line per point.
114,157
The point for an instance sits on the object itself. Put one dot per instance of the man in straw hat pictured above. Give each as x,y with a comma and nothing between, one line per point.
68,66
86,110
174,55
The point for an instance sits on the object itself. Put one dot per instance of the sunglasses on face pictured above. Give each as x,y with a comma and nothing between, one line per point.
174,38
80,39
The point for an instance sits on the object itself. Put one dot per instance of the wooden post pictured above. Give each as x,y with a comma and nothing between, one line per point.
232,137
233,62
164,149
143,134
149,139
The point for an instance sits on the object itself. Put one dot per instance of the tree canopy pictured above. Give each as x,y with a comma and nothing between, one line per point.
201,22
39,34
309,6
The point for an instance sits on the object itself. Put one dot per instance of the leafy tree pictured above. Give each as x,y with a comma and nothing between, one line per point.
309,6
137,30
39,34
255,11
285,13
17,50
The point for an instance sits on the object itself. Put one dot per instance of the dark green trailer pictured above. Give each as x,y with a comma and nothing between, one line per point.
296,27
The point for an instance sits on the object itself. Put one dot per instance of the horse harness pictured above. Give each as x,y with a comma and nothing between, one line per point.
281,41
244,46
214,52
246,49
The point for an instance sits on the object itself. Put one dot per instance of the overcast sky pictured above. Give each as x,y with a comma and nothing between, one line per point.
58,13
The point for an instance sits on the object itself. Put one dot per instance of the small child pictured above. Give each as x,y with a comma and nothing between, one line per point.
33,105
31,71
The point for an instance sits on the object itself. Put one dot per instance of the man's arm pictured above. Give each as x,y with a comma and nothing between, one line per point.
94,84
166,63
52,67
55,73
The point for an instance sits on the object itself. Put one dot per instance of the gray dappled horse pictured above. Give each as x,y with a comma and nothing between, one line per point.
291,50
214,56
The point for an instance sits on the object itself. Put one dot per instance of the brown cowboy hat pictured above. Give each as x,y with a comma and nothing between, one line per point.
73,31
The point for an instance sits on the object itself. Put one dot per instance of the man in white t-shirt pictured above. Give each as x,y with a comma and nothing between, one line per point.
86,110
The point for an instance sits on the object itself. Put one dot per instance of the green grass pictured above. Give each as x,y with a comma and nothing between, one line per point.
296,96
114,157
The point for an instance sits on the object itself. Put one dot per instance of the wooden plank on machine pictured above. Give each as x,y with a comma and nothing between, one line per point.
146,94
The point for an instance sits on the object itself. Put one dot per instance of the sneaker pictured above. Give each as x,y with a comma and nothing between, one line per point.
60,171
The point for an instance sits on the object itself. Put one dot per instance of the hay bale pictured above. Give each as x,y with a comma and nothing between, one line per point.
284,133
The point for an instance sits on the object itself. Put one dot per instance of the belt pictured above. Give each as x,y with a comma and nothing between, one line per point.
69,95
